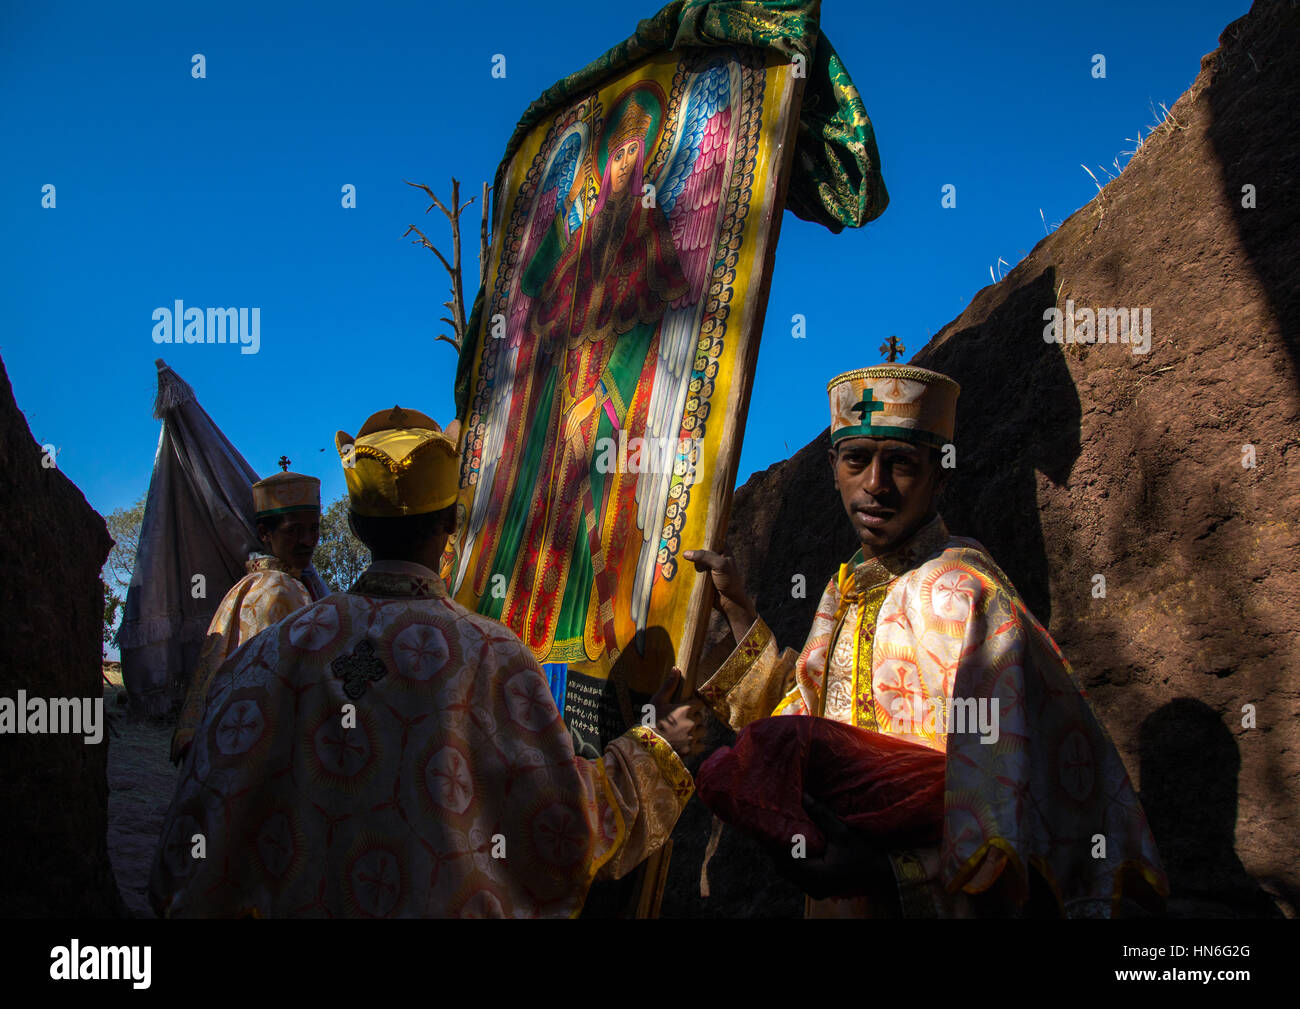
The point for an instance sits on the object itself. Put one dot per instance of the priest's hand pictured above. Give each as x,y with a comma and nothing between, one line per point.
849,867
730,597
682,725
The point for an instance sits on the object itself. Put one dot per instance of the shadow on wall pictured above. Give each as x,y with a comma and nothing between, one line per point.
1018,413
1256,73
1254,149
1186,741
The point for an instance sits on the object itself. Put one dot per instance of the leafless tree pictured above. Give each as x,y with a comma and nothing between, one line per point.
456,306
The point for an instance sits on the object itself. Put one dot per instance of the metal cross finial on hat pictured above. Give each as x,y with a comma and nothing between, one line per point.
283,462
893,348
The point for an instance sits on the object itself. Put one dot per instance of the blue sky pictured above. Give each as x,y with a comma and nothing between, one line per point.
226,191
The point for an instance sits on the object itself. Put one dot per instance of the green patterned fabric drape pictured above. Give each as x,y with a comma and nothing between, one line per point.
835,180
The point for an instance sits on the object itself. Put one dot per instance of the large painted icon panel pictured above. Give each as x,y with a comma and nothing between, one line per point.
632,249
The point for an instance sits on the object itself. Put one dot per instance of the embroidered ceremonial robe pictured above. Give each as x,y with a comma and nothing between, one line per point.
269,592
895,640
388,753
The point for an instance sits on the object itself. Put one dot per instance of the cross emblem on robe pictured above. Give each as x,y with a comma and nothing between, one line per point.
866,406
358,669
283,462
893,348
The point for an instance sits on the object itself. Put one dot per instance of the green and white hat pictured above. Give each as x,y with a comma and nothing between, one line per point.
893,401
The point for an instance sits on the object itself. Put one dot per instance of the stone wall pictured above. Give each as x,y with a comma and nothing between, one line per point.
54,804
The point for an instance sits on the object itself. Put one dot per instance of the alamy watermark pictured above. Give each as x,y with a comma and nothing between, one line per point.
942,715
179,324
77,716
649,455
75,962
1105,325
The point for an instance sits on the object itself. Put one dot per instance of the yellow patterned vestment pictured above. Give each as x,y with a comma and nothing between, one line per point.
388,753
894,641
269,592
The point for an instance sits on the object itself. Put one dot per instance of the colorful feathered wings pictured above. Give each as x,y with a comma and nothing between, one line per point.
690,193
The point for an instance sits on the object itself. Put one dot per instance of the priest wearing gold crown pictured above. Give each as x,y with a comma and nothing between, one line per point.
388,753
287,514
920,637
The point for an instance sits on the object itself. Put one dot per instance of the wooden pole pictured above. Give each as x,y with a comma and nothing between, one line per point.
484,245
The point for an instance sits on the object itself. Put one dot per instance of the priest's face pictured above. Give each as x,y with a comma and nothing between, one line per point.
888,487
294,540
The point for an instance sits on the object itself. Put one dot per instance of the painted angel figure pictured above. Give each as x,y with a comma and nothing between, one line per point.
602,320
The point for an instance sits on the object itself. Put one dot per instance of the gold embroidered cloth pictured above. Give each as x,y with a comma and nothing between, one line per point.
387,753
269,592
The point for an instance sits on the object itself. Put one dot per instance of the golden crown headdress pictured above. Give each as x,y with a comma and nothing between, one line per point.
635,122
400,463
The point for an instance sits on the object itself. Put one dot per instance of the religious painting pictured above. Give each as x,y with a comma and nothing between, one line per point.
632,246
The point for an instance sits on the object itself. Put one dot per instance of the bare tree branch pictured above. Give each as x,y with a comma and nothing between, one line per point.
423,241
456,306
420,185
453,270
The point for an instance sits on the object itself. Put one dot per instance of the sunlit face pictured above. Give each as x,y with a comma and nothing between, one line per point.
888,488
622,161
295,540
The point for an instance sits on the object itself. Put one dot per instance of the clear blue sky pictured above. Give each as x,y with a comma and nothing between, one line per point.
226,191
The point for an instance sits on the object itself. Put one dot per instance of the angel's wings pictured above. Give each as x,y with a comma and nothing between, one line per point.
558,174
690,191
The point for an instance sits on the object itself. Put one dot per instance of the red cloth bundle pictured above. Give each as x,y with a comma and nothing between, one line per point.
886,788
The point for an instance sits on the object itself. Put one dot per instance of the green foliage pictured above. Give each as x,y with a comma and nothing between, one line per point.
112,606
340,557
124,526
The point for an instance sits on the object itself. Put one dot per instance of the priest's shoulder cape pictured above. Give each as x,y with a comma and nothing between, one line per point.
932,643
269,592
388,753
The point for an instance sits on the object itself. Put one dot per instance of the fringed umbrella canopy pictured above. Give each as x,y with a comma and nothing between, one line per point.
198,521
